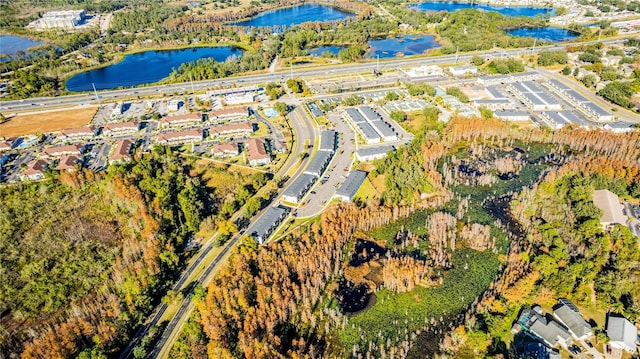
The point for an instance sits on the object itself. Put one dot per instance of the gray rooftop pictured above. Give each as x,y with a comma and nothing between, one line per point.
318,163
566,117
355,115
369,113
621,330
559,84
327,141
610,205
300,185
506,114
550,331
382,128
352,184
596,109
569,315
495,93
492,101
374,150
271,219
367,131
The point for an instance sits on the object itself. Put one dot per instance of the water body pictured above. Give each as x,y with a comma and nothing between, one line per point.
404,45
296,15
451,6
145,67
318,51
10,45
548,33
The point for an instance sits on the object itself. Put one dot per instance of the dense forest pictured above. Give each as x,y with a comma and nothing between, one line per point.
443,247
86,257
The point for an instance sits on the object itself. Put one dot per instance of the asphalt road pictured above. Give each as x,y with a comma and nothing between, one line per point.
245,80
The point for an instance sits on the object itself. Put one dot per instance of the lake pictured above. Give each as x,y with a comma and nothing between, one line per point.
145,67
318,51
296,15
504,10
404,45
10,45
548,33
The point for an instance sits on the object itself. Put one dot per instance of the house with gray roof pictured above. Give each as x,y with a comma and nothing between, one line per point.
622,334
327,141
319,163
264,227
549,332
567,314
350,185
299,188
612,209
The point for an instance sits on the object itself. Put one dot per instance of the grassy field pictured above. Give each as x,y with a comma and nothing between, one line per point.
52,121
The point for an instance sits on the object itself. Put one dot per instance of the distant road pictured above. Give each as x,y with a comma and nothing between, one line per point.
246,80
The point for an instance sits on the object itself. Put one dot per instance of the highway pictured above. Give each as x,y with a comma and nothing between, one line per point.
246,80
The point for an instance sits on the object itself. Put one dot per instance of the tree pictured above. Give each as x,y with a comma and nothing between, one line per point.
281,107
455,91
227,228
486,112
566,70
392,96
618,92
253,205
477,60
589,80
398,116
548,58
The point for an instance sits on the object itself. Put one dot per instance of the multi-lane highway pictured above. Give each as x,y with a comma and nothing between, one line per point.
245,80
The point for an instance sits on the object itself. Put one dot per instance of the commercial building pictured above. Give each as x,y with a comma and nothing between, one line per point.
60,20
370,125
264,227
181,120
121,152
256,152
373,153
350,185
327,141
585,105
567,314
34,171
228,149
622,333
179,137
463,70
121,128
533,96
174,105
612,209
239,99
299,187
235,130
512,116
58,151
319,163
506,79
424,71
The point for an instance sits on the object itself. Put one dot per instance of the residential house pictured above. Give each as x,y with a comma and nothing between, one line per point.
622,333
228,113
179,137
373,153
548,332
296,191
256,152
612,209
68,163
120,128
122,152
81,133
567,314
231,130
463,70
228,149
58,151
350,185
181,120
264,227
34,171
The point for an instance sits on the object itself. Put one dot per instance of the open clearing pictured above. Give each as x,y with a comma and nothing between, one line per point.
52,121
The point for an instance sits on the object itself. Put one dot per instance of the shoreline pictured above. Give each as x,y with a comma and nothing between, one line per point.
524,4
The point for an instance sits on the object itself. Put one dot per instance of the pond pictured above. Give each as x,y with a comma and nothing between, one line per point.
10,45
333,49
549,33
504,10
401,46
296,15
145,67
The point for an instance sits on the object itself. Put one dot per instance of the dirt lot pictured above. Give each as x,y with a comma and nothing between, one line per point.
50,121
